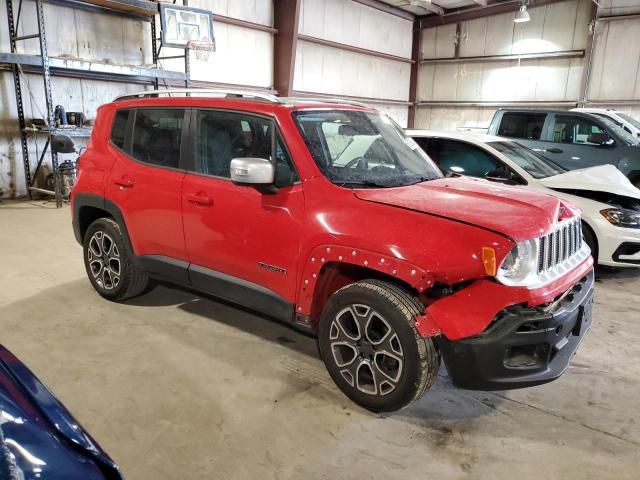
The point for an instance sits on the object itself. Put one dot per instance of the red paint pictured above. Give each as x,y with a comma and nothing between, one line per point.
521,216
424,234
469,311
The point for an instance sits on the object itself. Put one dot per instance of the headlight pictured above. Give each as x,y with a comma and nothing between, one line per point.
621,217
517,265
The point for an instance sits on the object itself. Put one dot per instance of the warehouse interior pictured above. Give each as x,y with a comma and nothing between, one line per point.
173,384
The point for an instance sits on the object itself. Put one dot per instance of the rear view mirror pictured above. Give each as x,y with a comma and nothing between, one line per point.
347,130
252,171
62,144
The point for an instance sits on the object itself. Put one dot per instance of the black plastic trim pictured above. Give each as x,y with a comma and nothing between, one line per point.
81,200
626,248
166,268
242,292
481,362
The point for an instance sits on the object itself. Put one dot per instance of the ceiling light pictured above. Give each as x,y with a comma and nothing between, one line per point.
419,3
522,15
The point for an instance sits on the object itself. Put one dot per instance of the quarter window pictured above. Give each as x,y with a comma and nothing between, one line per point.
157,135
119,128
522,125
223,136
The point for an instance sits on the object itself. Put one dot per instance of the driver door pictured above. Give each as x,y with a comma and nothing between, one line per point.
242,241
579,143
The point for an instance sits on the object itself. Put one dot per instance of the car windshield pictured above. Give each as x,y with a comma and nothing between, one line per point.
358,149
629,119
628,138
530,162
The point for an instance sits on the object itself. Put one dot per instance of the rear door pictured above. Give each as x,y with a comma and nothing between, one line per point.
146,180
578,142
242,241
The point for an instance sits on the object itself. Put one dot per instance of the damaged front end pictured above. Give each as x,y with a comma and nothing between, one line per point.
523,346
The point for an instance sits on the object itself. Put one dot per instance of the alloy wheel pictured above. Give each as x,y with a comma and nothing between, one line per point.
103,258
366,350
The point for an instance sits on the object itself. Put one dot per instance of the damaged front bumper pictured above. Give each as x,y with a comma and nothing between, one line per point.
523,346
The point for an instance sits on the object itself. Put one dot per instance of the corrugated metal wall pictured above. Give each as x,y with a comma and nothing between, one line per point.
244,56
465,95
325,69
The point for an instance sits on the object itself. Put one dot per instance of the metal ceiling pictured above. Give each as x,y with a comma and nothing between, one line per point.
440,6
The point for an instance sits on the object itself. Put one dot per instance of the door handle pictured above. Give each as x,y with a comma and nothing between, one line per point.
201,200
124,182
554,150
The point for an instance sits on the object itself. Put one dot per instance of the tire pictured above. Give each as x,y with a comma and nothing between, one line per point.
591,240
391,365
103,245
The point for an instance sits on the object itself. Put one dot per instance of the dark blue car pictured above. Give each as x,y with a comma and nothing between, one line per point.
39,438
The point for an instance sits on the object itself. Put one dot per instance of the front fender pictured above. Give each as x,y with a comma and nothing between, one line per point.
321,255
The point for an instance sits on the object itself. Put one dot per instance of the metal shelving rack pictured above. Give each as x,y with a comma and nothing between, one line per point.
46,66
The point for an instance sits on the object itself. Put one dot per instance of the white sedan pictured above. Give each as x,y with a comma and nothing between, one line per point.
609,202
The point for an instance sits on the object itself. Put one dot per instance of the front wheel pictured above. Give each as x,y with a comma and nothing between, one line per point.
110,266
371,348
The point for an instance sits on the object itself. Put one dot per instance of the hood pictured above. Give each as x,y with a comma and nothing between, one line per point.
511,211
603,178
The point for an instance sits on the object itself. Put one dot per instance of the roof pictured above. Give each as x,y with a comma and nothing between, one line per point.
192,96
457,135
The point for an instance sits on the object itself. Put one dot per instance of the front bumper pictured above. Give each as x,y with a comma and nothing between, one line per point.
615,245
523,346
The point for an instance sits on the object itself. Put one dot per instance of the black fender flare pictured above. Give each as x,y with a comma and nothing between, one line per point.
81,200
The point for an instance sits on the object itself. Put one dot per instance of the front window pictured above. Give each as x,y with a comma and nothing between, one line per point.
362,149
533,164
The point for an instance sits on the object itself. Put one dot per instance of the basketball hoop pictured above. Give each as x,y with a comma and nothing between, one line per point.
201,49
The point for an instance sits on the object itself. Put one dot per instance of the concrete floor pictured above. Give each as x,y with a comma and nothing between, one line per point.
174,386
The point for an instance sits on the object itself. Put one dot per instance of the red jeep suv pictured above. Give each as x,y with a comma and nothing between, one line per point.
324,214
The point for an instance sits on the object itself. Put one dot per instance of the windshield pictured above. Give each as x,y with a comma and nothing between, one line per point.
628,138
530,162
629,119
361,149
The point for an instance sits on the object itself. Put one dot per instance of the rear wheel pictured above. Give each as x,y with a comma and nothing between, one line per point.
109,264
371,348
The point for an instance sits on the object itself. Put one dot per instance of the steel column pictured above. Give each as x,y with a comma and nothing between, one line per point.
416,47
46,76
286,16
18,92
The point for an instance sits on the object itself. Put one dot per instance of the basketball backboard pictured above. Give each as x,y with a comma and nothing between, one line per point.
181,25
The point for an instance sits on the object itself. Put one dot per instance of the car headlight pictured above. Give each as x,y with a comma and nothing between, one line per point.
517,264
621,217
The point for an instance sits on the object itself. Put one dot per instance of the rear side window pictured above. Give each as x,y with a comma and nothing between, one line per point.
522,125
119,128
157,134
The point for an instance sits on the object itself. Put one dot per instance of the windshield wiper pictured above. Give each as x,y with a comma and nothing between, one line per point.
362,183
419,180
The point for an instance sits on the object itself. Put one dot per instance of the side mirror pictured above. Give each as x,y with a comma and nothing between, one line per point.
62,144
252,171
